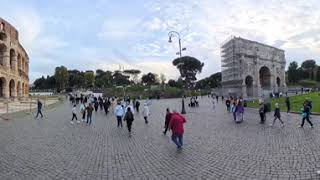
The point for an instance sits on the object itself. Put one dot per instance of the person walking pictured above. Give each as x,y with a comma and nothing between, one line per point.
234,110
89,113
146,112
106,105
262,112
83,111
239,112
277,115
119,112
306,115
96,105
129,118
176,126
74,114
137,105
288,104
39,108
167,121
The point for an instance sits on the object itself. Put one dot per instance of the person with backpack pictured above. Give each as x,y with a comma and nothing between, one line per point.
74,114
306,115
39,108
277,115
119,112
129,118
83,111
176,126
146,112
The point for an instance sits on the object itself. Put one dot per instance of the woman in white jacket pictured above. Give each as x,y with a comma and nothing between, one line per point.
146,112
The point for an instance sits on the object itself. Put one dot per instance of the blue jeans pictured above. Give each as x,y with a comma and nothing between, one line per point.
177,139
89,118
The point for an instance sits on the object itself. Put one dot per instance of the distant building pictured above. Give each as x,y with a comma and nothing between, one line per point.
14,63
251,69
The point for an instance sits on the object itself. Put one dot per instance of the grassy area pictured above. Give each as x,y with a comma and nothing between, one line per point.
296,102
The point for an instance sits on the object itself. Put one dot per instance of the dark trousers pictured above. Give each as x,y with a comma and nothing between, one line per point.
119,119
262,117
129,125
39,112
145,119
288,108
106,110
308,119
89,118
84,115
166,126
275,118
74,116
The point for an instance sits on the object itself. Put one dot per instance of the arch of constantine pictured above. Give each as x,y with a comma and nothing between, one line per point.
251,69
14,63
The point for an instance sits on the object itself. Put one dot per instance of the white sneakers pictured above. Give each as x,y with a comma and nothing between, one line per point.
71,122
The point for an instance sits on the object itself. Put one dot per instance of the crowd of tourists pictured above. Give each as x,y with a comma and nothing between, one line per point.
124,110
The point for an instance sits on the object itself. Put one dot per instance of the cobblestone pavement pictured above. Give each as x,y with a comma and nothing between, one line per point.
215,147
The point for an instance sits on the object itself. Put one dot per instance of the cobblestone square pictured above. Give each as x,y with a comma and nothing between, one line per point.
214,147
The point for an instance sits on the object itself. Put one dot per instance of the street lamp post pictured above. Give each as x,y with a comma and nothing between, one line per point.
176,34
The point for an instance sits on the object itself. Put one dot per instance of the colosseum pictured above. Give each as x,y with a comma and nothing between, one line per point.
14,64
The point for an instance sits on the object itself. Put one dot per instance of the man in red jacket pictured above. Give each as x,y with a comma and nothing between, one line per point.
176,125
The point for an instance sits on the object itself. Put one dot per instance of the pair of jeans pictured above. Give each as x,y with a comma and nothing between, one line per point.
39,112
74,116
177,139
308,119
89,118
119,119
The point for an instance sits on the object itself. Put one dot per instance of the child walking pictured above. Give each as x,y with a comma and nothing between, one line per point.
277,115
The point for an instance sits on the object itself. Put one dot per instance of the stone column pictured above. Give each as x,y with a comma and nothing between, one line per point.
5,88
6,59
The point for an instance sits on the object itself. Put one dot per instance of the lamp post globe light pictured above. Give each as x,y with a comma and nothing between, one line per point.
172,34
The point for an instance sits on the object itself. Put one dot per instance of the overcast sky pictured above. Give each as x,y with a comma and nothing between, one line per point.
92,34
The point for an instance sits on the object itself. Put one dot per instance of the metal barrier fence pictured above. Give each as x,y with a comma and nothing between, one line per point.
27,105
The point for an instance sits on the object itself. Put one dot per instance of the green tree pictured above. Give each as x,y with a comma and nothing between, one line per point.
133,73
119,79
309,66
61,76
293,72
212,81
149,79
189,67
89,79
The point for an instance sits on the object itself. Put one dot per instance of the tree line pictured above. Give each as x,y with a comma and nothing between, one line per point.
309,70
63,78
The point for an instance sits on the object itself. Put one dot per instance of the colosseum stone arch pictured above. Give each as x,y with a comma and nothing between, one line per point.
252,69
14,64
